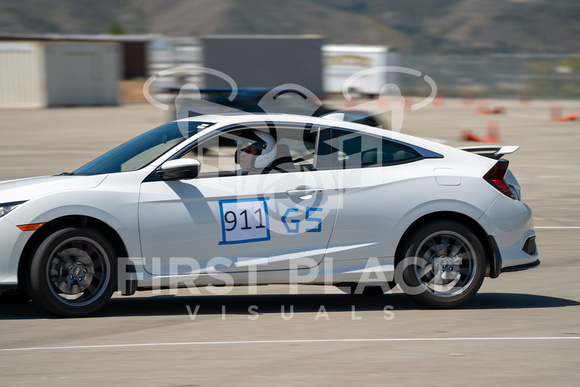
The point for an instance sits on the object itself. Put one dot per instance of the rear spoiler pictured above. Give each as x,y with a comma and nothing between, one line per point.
491,151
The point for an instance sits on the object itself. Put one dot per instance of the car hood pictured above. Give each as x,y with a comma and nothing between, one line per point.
30,188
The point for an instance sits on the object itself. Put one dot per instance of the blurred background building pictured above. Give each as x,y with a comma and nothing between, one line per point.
36,74
66,53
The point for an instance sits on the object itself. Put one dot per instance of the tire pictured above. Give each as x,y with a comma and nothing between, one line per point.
72,272
444,265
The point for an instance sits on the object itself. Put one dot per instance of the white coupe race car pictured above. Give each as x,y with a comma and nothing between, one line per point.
254,199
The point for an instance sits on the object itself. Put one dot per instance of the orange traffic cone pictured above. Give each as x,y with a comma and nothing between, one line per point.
556,114
492,134
467,99
439,100
483,109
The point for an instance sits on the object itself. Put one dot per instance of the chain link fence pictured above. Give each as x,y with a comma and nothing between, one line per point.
496,76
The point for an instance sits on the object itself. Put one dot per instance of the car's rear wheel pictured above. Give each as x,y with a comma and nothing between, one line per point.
443,265
72,272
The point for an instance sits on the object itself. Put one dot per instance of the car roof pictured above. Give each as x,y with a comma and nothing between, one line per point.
244,117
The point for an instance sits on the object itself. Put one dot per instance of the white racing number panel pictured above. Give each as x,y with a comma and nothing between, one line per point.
244,220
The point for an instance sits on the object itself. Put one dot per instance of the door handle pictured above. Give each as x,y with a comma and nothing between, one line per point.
301,192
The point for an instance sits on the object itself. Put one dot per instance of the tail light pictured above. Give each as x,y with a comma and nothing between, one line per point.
496,177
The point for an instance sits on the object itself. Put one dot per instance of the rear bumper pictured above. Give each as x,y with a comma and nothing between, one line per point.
521,267
511,236
528,252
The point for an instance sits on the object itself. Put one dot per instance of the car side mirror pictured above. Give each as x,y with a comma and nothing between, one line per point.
179,169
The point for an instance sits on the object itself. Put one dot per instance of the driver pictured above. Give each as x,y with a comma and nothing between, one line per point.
256,151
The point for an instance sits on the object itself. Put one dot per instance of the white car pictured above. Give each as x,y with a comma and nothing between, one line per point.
253,199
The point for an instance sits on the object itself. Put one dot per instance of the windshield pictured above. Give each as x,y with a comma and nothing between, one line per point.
142,150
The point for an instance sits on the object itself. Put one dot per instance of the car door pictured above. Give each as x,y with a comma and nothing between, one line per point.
264,220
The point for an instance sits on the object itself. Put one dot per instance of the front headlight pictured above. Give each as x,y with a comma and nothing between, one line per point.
7,207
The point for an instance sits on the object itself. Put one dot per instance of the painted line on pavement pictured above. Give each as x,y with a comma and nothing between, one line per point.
558,227
314,341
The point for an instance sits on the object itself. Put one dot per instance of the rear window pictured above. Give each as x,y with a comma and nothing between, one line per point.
356,150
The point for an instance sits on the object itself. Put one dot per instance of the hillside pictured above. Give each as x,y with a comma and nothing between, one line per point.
449,26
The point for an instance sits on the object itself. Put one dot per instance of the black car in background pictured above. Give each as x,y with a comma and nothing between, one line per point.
193,102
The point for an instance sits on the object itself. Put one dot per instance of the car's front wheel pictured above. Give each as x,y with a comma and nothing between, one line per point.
72,272
443,265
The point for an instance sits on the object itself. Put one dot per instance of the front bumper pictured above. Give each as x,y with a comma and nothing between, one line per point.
13,242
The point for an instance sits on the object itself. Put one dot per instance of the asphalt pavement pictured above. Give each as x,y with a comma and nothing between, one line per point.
522,328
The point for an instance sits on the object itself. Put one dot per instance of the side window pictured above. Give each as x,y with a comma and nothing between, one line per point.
295,150
356,150
217,154
255,150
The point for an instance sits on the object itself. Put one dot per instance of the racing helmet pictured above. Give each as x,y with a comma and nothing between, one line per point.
266,145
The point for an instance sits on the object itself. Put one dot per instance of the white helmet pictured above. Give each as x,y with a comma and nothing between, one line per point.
266,148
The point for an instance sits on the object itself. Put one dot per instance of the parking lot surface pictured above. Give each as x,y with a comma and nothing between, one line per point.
521,329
